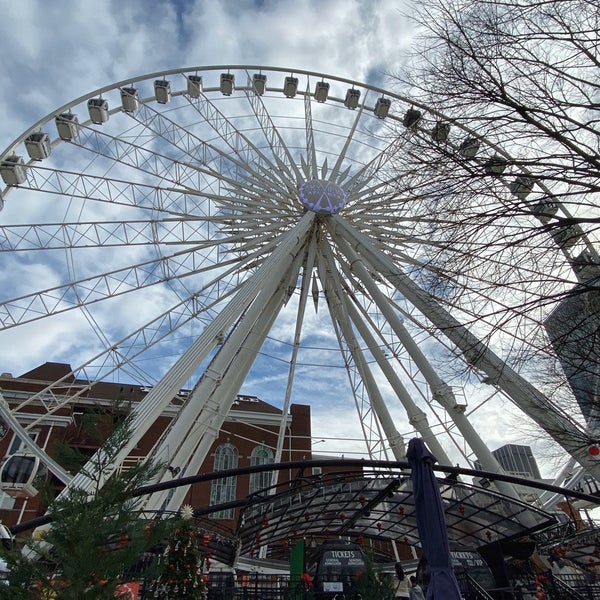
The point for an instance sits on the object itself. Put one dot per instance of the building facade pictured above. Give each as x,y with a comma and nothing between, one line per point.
248,437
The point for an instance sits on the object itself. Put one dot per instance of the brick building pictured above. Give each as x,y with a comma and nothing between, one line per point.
247,437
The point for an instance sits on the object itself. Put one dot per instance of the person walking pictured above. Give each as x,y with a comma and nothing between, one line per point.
416,591
401,583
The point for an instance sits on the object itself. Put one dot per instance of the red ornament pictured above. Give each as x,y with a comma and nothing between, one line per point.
378,525
265,521
362,500
306,516
360,539
123,541
342,517
488,535
206,539
594,450
461,509
257,538
401,510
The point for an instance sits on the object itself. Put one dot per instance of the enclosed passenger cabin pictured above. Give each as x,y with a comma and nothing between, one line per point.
586,266
38,145
227,84
19,475
98,109
411,118
521,187
162,91
440,132
290,87
321,91
130,99
67,126
259,83
352,98
382,107
469,147
12,170
495,165
194,85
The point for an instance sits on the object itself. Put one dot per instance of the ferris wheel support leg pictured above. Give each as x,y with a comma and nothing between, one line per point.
211,400
345,313
523,394
224,394
163,392
440,390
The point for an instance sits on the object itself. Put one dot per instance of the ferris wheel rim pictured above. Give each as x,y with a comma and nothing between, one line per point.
183,71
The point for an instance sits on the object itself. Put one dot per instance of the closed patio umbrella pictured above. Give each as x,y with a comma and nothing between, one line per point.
431,522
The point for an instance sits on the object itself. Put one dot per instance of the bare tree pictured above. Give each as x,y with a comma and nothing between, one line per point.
502,169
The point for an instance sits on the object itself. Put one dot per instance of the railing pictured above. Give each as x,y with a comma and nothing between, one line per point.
564,590
470,589
580,587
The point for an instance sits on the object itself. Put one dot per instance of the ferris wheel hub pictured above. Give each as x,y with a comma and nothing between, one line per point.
322,196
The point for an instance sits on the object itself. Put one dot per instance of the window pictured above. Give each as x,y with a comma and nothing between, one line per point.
261,455
223,490
16,445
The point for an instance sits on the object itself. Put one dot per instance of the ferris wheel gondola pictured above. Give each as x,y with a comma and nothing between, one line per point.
20,474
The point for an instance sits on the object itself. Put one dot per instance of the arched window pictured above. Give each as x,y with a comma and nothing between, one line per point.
261,455
223,490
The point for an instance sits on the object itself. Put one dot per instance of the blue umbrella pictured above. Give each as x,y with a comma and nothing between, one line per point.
431,522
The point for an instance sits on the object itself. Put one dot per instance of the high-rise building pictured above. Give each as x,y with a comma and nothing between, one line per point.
574,331
516,460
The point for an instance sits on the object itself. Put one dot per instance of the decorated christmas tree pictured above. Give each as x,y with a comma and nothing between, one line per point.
181,575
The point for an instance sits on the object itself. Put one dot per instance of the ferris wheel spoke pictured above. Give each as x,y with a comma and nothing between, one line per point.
198,151
94,234
174,201
69,296
440,390
336,173
311,154
152,163
259,167
373,414
285,161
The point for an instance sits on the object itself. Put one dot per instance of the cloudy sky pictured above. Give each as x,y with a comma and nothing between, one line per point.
54,52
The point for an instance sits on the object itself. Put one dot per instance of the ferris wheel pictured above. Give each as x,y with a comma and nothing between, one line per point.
232,229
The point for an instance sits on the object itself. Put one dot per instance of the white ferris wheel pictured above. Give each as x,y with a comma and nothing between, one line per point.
235,229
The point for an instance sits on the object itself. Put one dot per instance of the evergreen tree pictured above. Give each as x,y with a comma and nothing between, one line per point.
181,576
93,539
